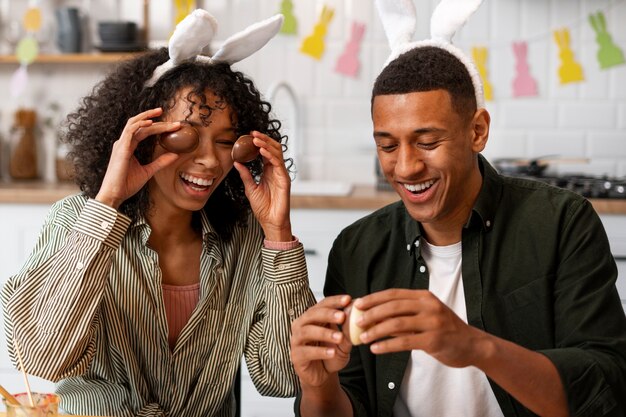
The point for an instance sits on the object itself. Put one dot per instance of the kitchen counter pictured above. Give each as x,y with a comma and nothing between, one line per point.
362,197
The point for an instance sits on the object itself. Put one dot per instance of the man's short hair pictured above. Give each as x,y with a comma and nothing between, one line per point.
429,68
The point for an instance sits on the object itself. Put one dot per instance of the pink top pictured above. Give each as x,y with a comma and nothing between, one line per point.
180,300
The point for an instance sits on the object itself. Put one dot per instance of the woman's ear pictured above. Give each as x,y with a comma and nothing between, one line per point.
480,128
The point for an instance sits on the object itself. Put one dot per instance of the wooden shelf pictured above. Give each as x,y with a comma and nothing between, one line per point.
86,58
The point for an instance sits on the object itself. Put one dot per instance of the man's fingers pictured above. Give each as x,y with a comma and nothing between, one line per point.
380,297
391,327
313,334
306,354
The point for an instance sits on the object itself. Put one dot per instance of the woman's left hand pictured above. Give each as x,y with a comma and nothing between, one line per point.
269,198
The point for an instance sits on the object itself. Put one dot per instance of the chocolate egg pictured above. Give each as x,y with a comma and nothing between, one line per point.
244,149
183,140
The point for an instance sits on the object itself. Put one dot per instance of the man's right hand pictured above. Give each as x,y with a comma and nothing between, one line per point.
319,350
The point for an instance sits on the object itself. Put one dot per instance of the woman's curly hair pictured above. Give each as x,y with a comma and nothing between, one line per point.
98,123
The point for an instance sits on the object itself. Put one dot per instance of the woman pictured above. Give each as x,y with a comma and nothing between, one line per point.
144,291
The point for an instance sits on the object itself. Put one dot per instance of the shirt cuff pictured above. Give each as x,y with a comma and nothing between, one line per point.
103,223
274,245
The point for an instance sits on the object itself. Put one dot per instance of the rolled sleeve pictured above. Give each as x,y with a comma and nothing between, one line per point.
284,266
102,223
589,393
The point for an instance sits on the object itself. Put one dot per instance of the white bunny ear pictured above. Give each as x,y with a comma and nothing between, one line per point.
399,20
449,16
243,44
192,35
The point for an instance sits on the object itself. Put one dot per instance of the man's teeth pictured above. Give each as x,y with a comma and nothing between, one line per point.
195,180
419,187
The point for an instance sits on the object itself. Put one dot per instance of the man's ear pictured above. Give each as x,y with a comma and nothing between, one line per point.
480,129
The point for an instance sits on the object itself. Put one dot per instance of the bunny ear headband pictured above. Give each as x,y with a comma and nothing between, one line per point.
196,31
399,21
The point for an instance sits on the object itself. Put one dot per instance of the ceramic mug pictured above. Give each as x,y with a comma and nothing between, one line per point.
69,31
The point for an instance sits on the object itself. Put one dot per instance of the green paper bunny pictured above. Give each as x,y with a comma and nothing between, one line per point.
609,54
290,26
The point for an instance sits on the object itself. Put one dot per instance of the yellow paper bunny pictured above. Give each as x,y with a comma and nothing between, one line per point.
479,54
570,71
314,43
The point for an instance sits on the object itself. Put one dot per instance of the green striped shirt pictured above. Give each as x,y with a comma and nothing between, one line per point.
87,310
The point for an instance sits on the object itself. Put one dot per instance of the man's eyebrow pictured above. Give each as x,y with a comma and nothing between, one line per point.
382,134
420,131
424,130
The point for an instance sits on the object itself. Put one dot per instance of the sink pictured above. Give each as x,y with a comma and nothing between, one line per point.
306,187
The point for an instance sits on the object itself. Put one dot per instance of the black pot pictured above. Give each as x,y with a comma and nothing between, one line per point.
521,167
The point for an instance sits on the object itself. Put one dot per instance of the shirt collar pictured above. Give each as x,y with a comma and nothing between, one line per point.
484,210
208,232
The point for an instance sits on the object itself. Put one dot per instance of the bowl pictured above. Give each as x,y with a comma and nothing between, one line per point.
117,32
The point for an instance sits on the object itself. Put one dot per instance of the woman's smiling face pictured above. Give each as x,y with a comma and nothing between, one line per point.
188,183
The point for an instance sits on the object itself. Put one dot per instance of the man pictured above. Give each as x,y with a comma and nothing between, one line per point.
481,295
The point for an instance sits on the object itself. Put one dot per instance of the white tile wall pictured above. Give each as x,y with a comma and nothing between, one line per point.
586,120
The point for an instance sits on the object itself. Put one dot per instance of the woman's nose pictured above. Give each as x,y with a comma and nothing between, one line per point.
205,154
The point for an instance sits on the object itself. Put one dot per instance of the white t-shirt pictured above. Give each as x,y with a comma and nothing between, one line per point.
429,388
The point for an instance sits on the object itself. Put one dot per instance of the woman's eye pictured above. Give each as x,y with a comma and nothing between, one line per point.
225,142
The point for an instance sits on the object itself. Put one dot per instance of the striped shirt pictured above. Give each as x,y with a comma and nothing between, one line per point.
87,310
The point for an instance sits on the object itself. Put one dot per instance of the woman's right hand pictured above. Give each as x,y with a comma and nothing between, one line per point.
319,349
125,176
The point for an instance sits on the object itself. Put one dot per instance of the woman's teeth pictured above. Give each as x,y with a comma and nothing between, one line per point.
195,182
417,188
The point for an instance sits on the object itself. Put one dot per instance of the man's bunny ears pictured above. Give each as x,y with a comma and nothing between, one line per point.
196,31
399,20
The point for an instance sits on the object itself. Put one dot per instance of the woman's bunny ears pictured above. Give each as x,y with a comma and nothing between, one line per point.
399,20
196,31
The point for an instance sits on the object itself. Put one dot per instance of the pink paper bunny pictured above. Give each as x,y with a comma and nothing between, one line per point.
348,63
609,54
523,84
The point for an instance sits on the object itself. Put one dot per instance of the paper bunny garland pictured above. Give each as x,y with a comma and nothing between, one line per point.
196,31
399,20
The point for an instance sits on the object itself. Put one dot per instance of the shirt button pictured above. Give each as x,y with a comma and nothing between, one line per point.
408,247
488,223
79,265
104,225
220,271
422,269
281,267
391,385
291,312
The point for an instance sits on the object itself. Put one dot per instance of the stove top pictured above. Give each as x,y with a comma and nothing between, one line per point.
587,186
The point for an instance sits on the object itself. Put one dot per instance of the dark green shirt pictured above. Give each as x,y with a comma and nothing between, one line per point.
537,270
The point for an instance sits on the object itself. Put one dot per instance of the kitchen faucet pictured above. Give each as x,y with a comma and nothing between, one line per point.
293,116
